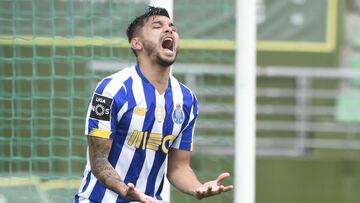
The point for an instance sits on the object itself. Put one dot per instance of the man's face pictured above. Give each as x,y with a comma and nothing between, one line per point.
160,40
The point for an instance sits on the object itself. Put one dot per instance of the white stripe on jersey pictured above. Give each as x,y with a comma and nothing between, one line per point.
86,132
92,183
136,123
109,196
150,154
178,98
110,91
122,111
160,175
83,200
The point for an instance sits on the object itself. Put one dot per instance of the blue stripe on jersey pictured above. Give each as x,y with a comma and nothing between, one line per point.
187,99
88,176
87,182
76,199
185,142
195,106
158,192
119,101
124,125
121,200
160,155
93,123
102,85
120,136
137,161
98,192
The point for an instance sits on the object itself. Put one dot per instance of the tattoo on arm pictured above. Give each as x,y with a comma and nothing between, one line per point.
99,151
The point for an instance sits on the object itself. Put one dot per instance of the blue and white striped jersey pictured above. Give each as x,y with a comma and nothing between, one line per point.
143,125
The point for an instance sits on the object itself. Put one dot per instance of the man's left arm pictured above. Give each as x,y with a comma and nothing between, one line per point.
181,175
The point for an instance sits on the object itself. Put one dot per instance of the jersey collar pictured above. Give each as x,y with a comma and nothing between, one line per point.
144,79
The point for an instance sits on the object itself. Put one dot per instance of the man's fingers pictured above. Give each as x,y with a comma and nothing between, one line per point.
222,176
203,189
142,197
131,186
210,190
153,200
217,190
149,199
160,201
213,187
228,188
200,193
130,190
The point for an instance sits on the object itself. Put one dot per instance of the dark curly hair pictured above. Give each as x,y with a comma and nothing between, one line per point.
140,20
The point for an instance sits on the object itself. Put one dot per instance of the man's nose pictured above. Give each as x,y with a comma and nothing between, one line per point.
168,28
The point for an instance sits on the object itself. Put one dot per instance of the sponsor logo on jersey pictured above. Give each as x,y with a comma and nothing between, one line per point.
152,141
101,107
140,111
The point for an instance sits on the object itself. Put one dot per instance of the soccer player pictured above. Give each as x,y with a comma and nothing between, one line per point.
138,118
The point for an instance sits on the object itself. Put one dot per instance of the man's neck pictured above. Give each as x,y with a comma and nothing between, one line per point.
157,75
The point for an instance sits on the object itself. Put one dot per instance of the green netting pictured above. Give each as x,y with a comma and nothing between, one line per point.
45,87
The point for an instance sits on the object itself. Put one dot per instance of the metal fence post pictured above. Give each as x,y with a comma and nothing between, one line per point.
302,101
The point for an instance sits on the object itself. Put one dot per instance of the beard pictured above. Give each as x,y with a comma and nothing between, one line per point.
151,51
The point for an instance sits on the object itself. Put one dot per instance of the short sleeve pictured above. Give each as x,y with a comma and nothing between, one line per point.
102,114
185,139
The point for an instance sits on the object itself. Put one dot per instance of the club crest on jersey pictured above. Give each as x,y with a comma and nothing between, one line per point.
101,107
178,115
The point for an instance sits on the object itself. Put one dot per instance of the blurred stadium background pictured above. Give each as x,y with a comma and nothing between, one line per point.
53,52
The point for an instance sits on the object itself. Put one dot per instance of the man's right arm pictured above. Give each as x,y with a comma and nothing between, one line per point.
99,149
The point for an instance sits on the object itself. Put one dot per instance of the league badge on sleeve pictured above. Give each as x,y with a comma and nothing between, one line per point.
178,114
101,107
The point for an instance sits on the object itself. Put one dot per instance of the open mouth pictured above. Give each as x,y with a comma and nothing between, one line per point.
168,43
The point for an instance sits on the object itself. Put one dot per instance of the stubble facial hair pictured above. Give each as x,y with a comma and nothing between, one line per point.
150,48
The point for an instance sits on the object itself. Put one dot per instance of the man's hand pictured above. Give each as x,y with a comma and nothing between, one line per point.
134,194
213,187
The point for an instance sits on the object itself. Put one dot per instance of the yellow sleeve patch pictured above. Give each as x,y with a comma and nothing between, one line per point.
100,133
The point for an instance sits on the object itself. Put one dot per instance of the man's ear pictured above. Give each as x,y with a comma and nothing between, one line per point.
136,44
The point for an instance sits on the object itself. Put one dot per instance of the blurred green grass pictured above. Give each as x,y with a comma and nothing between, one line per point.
286,180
